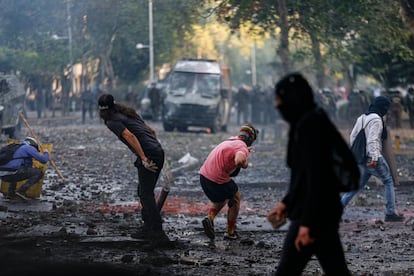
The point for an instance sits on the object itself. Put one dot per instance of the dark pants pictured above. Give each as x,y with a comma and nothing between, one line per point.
147,181
243,114
33,175
87,108
411,119
327,247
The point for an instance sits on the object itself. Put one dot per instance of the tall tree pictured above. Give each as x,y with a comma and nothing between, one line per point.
381,48
283,50
25,38
332,29
407,11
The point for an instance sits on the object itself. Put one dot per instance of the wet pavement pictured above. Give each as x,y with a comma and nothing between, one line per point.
83,223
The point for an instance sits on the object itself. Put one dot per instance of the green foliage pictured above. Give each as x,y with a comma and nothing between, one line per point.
366,33
382,48
262,13
104,29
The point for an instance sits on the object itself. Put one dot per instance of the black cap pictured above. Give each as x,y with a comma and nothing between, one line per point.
106,101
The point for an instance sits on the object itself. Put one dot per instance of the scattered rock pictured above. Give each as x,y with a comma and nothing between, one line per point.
91,231
99,195
127,258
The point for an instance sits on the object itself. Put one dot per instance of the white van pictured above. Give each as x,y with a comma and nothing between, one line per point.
197,94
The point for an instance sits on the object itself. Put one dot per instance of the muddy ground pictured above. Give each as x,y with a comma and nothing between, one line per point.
82,225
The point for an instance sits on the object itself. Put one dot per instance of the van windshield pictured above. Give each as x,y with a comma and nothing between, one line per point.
204,84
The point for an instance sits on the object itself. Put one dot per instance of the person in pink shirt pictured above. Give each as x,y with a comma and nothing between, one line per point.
223,163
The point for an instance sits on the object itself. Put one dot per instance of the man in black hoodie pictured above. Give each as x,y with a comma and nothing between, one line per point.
312,202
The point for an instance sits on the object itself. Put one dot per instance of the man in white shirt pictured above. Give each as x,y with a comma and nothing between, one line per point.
376,165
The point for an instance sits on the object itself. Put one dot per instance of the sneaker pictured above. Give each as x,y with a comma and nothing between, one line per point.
208,226
150,235
394,217
233,236
161,243
160,238
140,235
22,195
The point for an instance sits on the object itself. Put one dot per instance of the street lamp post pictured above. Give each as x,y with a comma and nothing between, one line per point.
69,38
151,42
71,86
253,64
142,46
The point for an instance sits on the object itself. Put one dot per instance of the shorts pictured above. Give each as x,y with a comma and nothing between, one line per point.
218,192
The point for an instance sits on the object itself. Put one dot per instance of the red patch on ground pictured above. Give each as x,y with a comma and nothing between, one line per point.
173,205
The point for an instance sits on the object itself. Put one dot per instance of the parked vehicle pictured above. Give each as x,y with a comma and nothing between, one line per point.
12,97
197,94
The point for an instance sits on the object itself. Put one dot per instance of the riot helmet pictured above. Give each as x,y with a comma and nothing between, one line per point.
32,142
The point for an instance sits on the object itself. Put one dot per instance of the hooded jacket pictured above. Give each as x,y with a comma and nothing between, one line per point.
375,131
312,197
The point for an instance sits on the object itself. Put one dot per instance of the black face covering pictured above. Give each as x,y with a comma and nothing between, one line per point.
296,97
380,106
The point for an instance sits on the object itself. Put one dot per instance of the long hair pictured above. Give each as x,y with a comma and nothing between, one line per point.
108,107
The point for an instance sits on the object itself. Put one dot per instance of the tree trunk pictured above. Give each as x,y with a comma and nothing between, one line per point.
407,12
283,50
319,66
65,94
107,69
349,79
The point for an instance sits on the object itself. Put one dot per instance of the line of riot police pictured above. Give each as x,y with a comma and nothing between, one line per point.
346,108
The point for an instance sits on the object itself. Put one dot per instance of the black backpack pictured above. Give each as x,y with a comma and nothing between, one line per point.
345,168
7,152
359,146
344,165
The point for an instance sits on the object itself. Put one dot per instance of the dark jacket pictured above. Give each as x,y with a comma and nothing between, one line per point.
23,157
150,145
313,196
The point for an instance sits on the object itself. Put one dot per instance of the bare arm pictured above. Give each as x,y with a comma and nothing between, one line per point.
241,160
134,143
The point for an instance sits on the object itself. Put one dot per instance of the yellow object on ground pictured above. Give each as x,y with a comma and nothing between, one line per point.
36,189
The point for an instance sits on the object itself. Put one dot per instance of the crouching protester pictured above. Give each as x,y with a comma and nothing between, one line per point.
141,139
224,162
20,167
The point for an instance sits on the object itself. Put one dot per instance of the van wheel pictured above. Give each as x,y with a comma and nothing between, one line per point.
216,124
218,121
182,128
168,127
